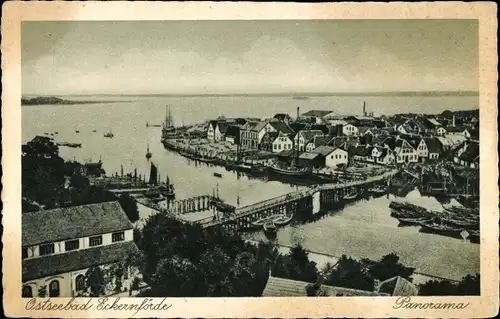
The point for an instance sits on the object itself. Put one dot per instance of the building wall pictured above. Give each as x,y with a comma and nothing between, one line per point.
67,281
281,144
422,149
210,133
349,130
59,246
217,134
264,130
336,157
230,139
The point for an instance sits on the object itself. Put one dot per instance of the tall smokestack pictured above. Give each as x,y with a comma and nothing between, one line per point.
364,108
298,112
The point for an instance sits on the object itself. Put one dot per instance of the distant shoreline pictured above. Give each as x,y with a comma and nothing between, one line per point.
285,94
51,100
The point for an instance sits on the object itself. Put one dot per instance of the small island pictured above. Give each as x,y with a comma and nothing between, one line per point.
51,100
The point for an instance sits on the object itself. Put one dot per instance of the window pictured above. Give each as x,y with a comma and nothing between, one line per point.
80,283
95,241
46,249
54,288
25,253
118,237
27,292
71,245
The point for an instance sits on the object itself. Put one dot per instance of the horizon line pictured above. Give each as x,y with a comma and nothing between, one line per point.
357,93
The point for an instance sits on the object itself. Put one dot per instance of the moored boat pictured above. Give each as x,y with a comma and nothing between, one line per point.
351,196
378,191
290,171
282,220
439,228
218,175
413,221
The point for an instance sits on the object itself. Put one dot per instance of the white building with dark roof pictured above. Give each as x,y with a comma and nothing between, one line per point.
60,245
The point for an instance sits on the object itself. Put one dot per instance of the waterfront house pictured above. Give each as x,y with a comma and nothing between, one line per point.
361,153
318,140
383,156
216,130
332,156
309,160
60,245
303,137
266,144
467,154
232,134
248,136
211,130
281,141
403,151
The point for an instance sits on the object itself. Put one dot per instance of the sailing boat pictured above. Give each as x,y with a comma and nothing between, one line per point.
168,130
148,153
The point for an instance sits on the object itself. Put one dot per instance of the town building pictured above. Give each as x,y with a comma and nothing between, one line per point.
467,154
310,160
403,151
349,130
317,141
281,287
248,136
331,156
433,148
266,144
216,130
60,245
303,137
232,134
281,142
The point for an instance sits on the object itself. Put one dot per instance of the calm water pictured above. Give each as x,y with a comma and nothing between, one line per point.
362,229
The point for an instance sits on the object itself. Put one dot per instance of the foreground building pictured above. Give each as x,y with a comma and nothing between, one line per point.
60,245
280,287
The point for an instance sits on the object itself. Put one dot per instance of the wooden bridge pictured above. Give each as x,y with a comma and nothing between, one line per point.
296,202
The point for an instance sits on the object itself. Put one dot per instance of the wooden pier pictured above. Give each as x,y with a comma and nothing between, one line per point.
310,200
191,205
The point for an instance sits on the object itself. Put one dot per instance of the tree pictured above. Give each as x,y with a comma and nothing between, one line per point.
42,171
129,205
95,281
296,265
468,286
350,273
389,267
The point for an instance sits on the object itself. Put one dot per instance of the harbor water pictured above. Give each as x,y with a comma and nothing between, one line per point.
362,229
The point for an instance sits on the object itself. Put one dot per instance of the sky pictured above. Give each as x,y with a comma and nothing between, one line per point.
266,56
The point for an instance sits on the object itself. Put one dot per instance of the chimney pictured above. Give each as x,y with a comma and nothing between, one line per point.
364,108
453,121
298,112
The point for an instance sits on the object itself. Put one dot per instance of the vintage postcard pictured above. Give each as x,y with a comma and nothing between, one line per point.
249,160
